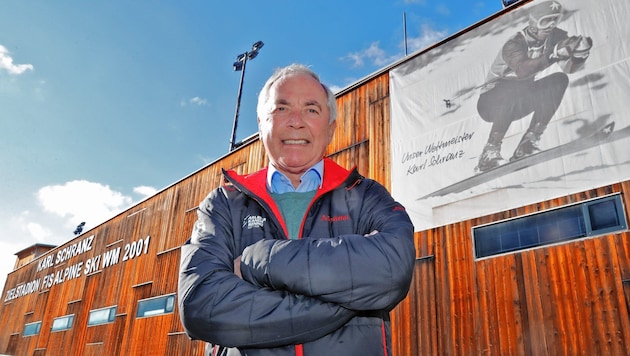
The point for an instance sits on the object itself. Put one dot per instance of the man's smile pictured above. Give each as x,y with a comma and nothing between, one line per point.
295,142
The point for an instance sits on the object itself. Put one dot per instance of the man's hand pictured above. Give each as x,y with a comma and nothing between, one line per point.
237,267
583,48
564,49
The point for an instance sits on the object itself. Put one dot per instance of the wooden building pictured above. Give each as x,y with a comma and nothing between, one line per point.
111,290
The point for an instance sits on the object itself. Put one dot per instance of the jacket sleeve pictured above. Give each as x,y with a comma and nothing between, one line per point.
356,271
217,306
515,55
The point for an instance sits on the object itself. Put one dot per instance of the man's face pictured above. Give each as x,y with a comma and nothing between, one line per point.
543,27
295,129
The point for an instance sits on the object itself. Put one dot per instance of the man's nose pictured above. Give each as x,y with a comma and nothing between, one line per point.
296,118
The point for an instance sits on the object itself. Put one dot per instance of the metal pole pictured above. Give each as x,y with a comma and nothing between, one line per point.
405,32
238,104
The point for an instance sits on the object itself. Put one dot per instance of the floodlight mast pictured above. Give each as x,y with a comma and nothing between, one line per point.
239,65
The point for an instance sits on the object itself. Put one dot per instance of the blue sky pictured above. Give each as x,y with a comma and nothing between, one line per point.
103,103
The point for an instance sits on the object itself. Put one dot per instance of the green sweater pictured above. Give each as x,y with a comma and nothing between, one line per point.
293,206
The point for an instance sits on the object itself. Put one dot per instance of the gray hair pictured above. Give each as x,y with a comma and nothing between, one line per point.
288,71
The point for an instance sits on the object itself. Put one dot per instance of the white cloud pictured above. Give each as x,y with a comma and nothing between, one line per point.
80,200
39,232
26,226
356,58
199,101
9,248
374,53
59,209
379,57
6,63
145,191
194,101
428,36
335,88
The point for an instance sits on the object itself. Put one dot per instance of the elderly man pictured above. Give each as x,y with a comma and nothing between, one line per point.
303,257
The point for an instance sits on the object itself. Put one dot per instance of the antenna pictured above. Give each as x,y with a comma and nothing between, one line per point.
405,32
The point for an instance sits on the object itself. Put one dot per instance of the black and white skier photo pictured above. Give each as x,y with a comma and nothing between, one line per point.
513,90
529,105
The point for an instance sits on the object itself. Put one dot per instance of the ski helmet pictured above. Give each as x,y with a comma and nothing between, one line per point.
545,15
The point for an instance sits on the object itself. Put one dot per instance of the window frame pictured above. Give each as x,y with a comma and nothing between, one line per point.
620,217
143,311
111,316
38,329
67,326
558,225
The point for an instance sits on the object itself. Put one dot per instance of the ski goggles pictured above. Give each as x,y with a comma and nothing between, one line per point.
548,21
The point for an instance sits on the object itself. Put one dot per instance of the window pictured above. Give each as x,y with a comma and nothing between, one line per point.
62,323
605,215
31,329
593,217
156,306
102,316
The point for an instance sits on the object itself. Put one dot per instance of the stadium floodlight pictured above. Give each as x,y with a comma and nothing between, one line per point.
79,228
239,65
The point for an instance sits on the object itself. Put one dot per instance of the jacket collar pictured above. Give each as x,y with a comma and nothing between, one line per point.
255,185
334,176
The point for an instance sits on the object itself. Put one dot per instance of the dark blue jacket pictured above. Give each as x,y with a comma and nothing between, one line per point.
328,293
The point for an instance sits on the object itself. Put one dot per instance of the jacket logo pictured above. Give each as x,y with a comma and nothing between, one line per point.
335,218
250,222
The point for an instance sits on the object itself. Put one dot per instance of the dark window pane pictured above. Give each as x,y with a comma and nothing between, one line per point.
549,227
603,215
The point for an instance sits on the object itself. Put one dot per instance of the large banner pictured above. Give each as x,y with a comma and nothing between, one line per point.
532,105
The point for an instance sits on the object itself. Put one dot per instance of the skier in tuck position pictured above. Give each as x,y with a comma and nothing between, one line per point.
512,91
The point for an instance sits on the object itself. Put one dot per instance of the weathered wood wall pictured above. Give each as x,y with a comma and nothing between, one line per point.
560,300
566,299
